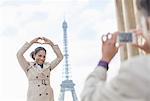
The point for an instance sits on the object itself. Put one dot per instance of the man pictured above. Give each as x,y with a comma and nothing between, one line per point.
133,80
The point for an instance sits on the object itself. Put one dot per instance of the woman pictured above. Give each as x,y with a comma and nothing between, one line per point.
38,72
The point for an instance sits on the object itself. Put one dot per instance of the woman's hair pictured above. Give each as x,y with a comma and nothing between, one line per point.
36,51
144,7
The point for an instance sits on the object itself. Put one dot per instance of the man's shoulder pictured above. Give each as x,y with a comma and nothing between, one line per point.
137,63
136,59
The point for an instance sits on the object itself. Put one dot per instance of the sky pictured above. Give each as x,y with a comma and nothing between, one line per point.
23,20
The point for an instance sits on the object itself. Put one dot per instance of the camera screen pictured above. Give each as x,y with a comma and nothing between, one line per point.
125,37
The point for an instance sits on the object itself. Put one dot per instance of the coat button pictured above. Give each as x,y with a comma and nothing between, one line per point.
45,84
47,76
40,94
46,93
38,85
27,70
37,77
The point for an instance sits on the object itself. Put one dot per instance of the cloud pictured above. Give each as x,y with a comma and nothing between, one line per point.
18,2
9,31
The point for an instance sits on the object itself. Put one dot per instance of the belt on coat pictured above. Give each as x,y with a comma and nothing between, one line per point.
41,81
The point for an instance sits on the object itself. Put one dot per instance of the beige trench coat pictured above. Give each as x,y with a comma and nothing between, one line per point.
39,80
131,84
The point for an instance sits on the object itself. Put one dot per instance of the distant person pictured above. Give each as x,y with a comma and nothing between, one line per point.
38,72
133,80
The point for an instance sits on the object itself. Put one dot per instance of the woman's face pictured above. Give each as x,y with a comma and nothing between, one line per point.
40,57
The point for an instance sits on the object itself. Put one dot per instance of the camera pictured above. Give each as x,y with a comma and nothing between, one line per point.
126,37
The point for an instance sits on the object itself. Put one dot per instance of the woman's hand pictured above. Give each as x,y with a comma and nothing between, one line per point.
109,48
35,40
47,41
146,45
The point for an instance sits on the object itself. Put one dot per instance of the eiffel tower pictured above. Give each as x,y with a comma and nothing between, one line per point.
67,84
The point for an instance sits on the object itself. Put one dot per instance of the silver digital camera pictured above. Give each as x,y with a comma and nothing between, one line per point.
126,37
